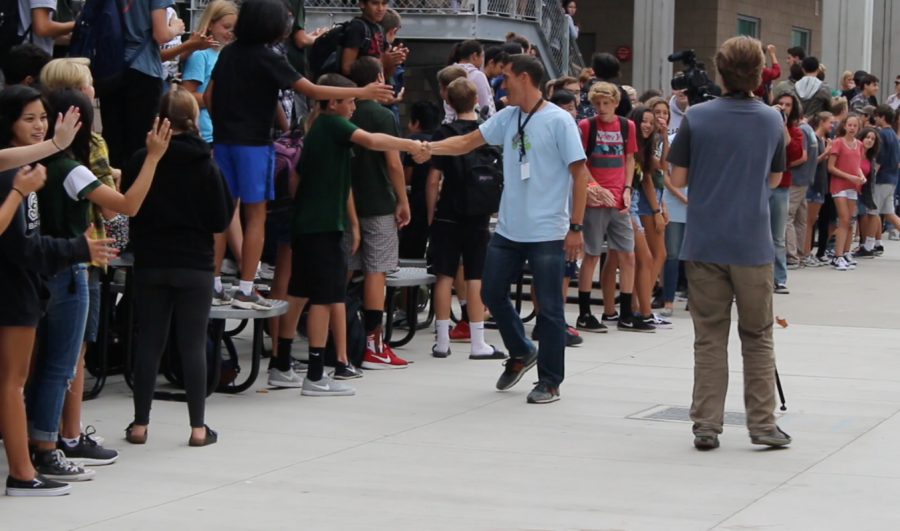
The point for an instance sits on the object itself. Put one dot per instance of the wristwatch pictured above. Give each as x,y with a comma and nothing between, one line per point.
658,211
629,187
576,227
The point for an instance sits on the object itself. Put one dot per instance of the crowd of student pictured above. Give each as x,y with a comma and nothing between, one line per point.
215,102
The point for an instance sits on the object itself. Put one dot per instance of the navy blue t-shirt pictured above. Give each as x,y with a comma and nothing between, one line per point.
888,158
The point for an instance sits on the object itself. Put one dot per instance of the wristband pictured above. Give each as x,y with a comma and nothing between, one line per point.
629,187
55,144
658,211
20,192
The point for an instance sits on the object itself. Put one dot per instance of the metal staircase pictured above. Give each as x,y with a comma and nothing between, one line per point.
486,20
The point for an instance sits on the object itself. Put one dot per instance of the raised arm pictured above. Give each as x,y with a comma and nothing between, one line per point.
130,202
373,91
66,127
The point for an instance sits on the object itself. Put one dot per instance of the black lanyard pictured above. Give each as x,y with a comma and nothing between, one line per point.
521,135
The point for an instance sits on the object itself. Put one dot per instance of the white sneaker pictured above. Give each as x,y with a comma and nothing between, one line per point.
851,263
812,261
839,264
265,272
286,380
894,235
326,387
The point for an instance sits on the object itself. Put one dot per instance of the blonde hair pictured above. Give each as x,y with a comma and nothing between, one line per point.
215,11
462,95
450,74
631,91
740,62
602,89
845,76
180,107
73,72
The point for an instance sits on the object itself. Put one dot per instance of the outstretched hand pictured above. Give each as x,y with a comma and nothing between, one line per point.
67,127
158,139
423,154
101,252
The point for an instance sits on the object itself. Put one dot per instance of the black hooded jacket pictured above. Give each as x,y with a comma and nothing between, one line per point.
26,256
187,203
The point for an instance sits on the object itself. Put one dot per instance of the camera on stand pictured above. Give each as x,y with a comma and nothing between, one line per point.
694,80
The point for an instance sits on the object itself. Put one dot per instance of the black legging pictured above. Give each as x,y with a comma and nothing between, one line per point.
128,115
162,295
827,212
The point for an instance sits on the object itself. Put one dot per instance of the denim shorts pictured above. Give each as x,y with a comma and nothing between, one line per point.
643,204
571,268
814,197
248,170
635,199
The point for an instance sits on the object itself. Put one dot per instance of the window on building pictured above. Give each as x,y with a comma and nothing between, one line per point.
800,37
748,26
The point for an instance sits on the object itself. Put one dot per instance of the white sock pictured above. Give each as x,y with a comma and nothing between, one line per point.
247,287
879,243
870,243
370,342
217,284
71,443
443,335
478,344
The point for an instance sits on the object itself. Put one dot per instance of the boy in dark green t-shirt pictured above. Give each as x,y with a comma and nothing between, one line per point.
323,209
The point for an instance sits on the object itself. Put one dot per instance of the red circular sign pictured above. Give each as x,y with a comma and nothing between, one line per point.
623,53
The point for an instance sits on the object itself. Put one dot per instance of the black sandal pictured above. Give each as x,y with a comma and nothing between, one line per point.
134,439
211,438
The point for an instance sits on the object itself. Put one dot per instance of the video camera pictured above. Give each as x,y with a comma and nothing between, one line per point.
693,79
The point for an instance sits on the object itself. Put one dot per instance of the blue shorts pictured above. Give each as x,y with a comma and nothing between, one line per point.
248,170
635,199
643,204
814,197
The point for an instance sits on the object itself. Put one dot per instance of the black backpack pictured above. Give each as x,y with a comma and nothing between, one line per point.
325,53
481,171
356,330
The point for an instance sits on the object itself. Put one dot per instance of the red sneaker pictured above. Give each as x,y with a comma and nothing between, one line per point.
386,360
461,333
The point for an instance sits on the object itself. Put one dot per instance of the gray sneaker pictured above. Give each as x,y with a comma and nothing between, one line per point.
706,441
250,302
287,380
221,298
326,387
775,439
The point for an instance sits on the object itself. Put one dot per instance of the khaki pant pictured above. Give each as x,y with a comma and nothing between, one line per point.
796,224
712,287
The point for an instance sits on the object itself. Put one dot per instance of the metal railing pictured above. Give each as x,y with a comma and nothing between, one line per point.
402,6
548,14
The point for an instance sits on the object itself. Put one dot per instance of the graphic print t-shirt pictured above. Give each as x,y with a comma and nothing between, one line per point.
607,160
356,38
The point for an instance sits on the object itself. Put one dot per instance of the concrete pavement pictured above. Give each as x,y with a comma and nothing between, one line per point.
435,447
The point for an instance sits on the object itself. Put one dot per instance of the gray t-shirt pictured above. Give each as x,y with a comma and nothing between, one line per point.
805,174
25,7
730,146
139,29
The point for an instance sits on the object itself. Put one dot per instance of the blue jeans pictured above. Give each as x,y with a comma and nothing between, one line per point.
674,240
779,202
547,261
60,334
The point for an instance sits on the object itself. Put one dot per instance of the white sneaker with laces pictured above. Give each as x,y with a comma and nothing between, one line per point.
839,264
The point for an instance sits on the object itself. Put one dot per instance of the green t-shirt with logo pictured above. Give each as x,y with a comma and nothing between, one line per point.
320,204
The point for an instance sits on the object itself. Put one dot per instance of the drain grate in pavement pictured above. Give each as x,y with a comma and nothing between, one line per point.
683,414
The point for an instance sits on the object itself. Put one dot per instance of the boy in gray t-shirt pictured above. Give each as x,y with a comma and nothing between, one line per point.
38,23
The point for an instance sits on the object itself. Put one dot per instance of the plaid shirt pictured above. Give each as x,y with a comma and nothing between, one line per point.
103,171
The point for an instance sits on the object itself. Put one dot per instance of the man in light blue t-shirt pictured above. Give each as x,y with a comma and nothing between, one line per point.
543,163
